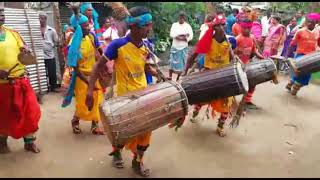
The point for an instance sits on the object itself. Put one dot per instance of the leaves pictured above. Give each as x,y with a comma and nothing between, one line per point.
165,14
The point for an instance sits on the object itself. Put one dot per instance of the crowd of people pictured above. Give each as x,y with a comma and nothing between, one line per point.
117,54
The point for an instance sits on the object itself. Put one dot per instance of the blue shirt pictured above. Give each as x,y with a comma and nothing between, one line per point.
230,21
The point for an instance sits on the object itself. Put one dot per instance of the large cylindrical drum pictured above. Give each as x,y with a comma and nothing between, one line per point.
206,86
306,64
142,111
260,71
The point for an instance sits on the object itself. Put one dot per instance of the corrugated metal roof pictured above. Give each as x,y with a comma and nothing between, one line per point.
17,19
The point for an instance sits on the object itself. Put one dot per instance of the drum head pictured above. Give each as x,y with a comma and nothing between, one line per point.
243,77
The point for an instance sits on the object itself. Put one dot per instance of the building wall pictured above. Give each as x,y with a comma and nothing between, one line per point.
17,5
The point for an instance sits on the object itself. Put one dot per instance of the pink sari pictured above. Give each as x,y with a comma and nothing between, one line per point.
274,40
256,30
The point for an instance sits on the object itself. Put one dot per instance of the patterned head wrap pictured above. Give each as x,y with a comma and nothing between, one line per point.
313,16
87,5
141,20
246,23
219,19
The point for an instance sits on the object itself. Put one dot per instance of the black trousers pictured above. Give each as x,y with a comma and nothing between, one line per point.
51,73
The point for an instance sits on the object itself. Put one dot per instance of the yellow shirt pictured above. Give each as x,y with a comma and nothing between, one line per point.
9,51
218,55
130,62
129,68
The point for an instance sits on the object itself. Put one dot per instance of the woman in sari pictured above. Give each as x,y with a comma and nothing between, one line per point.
275,38
68,32
291,30
87,9
82,57
256,29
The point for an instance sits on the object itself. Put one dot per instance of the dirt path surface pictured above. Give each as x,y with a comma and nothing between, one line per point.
280,140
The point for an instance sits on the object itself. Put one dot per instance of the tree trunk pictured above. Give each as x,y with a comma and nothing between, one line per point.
56,16
210,8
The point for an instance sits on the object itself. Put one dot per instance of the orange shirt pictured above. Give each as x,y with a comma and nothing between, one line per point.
245,47
305,40
236,29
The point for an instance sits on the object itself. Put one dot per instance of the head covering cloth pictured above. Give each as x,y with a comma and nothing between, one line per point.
141,20
313,16
204,43
74,53
246,24
95,16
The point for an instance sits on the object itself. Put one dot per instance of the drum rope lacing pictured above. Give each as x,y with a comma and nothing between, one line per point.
180,91
154,110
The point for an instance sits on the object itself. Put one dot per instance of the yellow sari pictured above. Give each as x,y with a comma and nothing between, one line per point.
85,66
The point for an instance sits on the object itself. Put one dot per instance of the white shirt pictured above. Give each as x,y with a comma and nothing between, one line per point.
204,27
50,38
265,22
180,29
111,33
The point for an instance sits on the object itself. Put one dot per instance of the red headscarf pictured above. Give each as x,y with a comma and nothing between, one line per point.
246,24
204,43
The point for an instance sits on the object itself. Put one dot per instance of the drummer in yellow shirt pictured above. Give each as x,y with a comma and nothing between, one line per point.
218,53
129,55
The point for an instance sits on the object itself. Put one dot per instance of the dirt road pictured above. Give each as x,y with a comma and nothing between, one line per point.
280,140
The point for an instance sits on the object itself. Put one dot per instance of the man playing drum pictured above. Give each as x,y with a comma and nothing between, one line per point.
306,40
218,53
246,46
129,56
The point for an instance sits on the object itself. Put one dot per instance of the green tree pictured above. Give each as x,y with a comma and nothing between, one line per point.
166,13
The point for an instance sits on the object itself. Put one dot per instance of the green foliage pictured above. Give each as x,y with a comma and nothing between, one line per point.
165,14
290,7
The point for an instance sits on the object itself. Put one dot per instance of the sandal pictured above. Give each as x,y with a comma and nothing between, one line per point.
76,127
195,113
221,132
95,129
139,168
117,161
